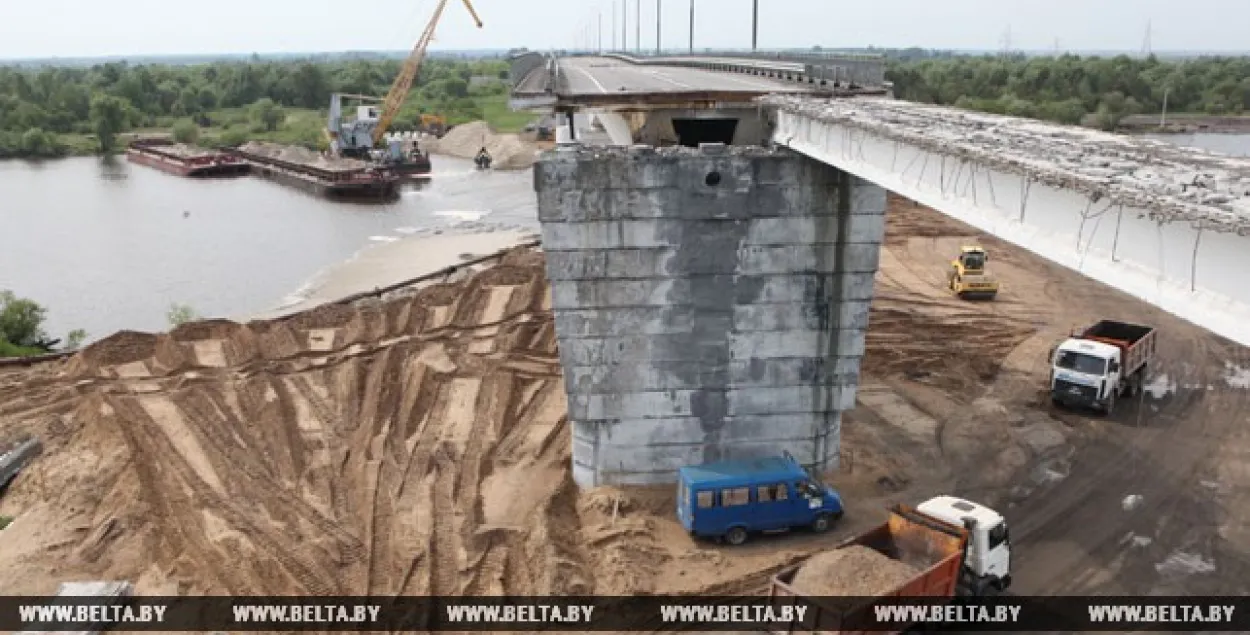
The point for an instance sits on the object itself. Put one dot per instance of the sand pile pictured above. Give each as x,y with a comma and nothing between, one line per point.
185,151
413,445
508,150
302,155
853,570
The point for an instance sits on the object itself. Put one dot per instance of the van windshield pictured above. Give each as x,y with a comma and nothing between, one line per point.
1081,363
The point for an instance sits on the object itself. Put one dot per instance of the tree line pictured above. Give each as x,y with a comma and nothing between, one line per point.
1070,88
41,107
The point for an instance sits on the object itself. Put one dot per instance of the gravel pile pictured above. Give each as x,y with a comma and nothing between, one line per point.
851,571
303,156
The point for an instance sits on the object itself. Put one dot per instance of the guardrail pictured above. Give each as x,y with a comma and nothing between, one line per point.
523,64
849,71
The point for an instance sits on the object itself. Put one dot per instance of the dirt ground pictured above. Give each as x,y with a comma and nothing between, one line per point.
419,445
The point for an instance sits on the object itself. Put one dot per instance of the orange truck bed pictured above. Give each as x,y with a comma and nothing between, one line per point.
907,535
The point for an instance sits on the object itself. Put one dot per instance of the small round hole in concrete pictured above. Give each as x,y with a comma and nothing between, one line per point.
712,179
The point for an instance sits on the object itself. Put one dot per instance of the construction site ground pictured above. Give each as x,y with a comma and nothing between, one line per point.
418,445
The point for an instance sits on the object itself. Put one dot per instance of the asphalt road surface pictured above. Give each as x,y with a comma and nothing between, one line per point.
602,75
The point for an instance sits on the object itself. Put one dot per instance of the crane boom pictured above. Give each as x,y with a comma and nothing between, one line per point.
403,83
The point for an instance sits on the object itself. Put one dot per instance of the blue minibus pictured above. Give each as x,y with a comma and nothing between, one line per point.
733,499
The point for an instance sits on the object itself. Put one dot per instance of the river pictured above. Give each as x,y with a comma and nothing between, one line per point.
107,245
1237,145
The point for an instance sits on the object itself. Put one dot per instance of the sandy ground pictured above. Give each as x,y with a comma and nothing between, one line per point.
508,150
418,444
385,264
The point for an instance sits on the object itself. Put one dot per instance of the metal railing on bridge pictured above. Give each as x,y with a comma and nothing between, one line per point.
823,69
535,74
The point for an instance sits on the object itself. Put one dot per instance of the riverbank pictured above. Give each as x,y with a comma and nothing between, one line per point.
391,262
1183,123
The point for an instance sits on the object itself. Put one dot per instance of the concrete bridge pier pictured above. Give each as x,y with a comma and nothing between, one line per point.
709,303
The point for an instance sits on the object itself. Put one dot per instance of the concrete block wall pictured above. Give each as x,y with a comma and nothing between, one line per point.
709,303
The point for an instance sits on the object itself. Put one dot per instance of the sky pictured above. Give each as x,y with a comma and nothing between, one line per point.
87,28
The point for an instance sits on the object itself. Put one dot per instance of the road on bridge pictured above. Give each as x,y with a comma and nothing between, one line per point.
606,75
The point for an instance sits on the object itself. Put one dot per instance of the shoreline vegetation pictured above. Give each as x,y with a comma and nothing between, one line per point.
54,112
48,112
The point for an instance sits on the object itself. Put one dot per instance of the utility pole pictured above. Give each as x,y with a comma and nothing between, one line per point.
638,26
1163,116
613,25
624,25
601,31
692,27
755,23
657,27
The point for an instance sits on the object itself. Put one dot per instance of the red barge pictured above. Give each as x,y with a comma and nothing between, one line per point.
367,183
184,160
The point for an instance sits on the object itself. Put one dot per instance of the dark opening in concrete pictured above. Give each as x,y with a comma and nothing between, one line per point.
692,132
712,179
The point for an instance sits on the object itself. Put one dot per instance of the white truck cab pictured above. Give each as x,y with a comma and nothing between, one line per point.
1095,367
988,559
1081,366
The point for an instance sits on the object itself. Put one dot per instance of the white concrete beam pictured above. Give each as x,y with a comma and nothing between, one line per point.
1188,267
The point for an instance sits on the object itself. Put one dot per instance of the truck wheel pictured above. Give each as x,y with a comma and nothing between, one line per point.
736,536
823,522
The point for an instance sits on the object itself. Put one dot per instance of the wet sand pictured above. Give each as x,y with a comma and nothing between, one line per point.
387,263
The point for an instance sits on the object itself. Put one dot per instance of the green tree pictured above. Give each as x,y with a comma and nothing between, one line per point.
74,339
233,137
268,114
1113,108
110,116
181,314
21,320
185,131
36,142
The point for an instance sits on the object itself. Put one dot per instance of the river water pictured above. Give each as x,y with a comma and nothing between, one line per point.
1237,145
107,245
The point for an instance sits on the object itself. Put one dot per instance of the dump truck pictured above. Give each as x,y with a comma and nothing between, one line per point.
955,547
1095,367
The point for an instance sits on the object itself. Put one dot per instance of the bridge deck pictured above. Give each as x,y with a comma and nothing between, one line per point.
1172,182
603,76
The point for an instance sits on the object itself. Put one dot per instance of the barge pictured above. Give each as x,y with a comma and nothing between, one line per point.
351,181
415,166
184,160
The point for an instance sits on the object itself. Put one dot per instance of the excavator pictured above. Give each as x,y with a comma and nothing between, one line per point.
968,278
433,124
363,136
